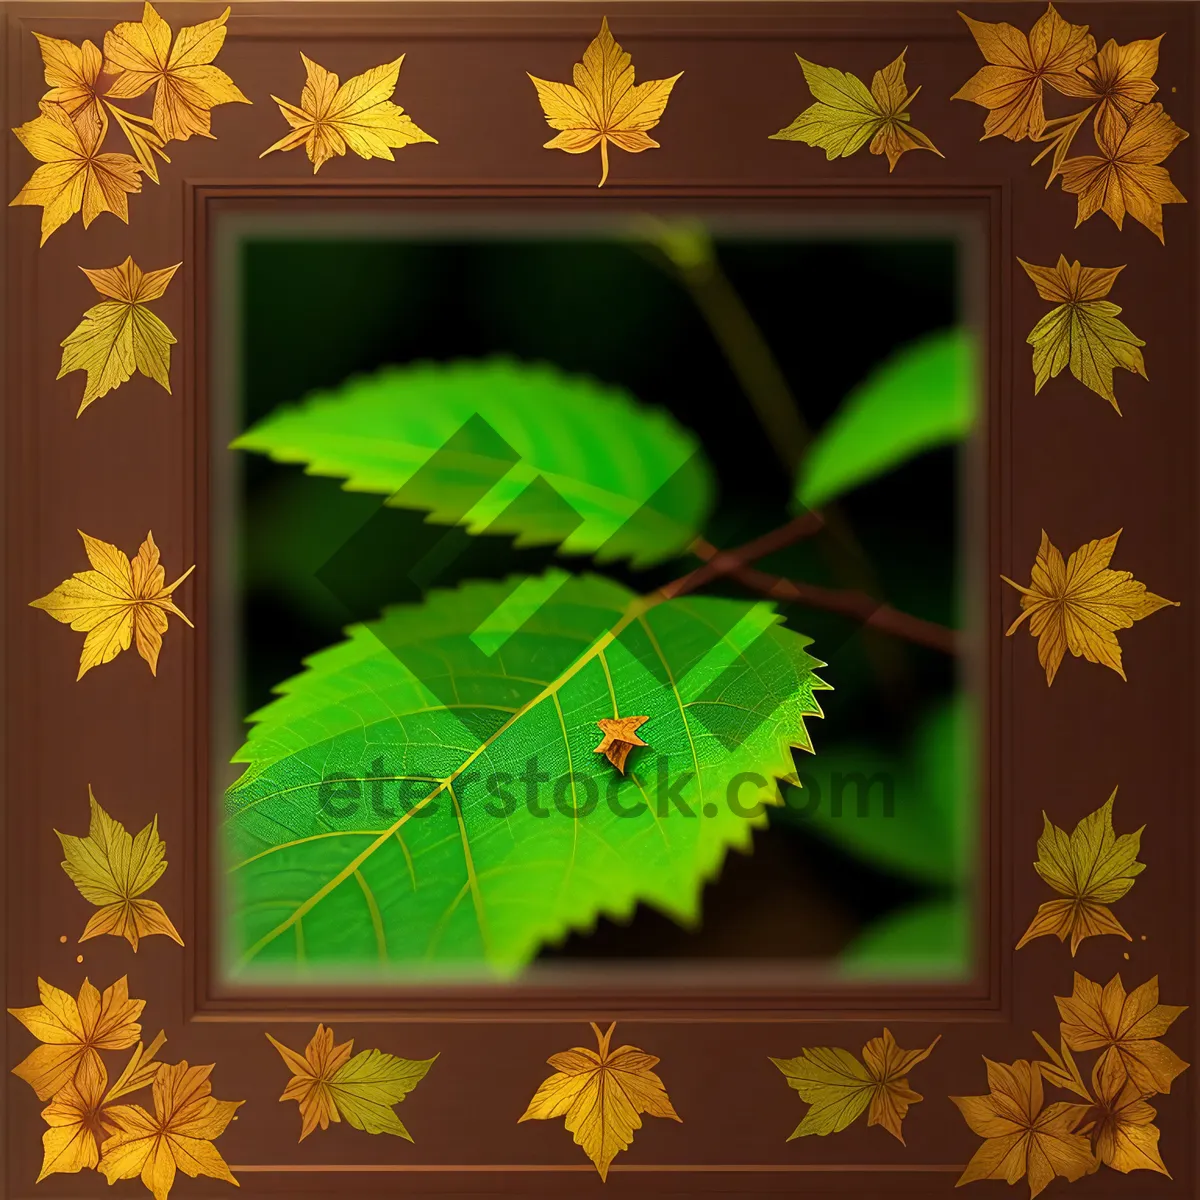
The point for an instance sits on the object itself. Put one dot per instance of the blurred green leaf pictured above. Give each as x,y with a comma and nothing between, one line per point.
932,936
921,397
331,859
507,448
909,814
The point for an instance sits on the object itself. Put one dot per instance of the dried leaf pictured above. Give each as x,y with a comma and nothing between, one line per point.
839,1088
1058,135
120,335
115,603
1010,87
601,1094
620,736
1091,868
1126,177
1125,1028
846,116
1123,1134
1121,79
328,1084
178,1135
1083,331
73,1031
140,1071
75,175
70,1144
359,115
141,55
111,869
1023,1139
144,139
604,105
1061,1070
71,74
1079,605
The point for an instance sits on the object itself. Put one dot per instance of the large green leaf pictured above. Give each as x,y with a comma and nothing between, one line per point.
455,697
923,396
509,448
933,937
911,814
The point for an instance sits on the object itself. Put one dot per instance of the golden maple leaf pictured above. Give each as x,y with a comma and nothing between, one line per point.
328,1084
1010,87
839,1088
1061,1070
178,1135
111,870
1023,1139
604,105
1125,1027
1122,1128
1120,80
71,1142
115,603
71,73
601,1094
846,116
74,1030
1125,177
74,175
359,115
1079,605
1083,331
620,736
140,1070
120,335
1091,868
141,55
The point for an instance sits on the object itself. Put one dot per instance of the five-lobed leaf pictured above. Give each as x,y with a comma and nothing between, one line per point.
1082,332
412,800
506,448
847,116
357,115
120,334
604,106
921,397
602,1094
1091,868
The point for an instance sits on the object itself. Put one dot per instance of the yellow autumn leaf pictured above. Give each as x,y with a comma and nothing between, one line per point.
1010,86
839,1088
1080,604
1123,1133
69,1145
601,1093
1126,176
328,1084
1091,868
111,870
73,1031
846,116
71,74
1119,81
120,334
604,106
1023,1139
359,115
141,55
116,603
1126,1027
74,175
177,1136
144,139
1083,331
1061,1071
140,1071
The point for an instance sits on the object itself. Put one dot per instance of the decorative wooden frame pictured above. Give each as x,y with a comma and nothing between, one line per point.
145,461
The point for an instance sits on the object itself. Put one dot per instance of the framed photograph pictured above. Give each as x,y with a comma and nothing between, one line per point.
620,576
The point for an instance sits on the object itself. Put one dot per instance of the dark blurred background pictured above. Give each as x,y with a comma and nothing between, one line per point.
318,311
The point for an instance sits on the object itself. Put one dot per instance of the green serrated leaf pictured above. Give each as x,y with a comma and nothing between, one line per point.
922,397
484,860
506,448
